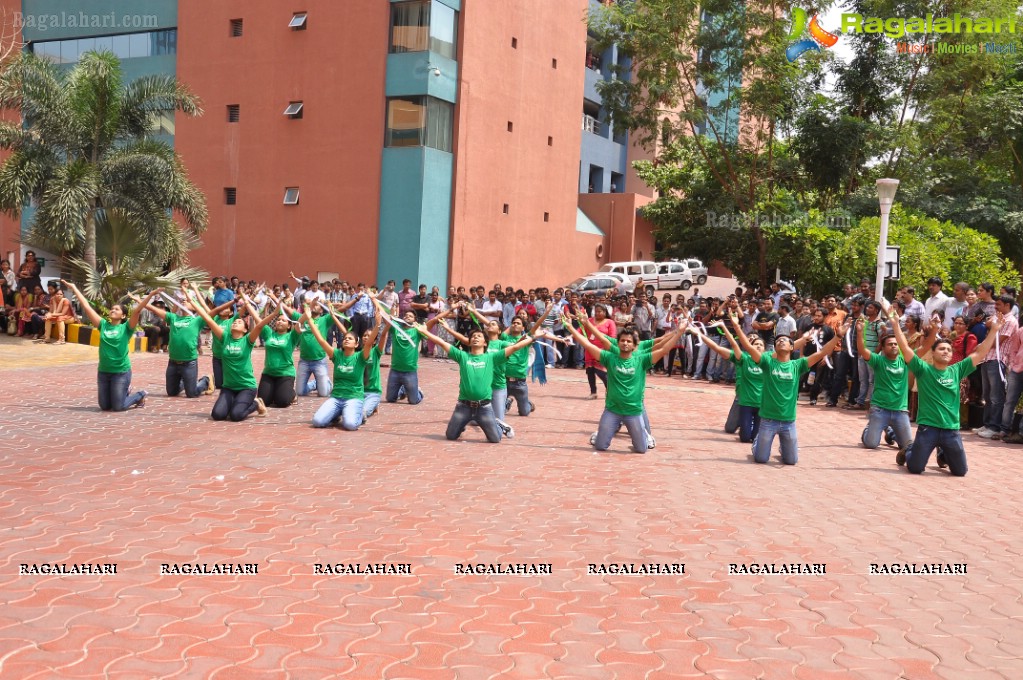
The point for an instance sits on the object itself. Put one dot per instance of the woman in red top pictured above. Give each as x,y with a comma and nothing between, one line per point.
963,344
594,370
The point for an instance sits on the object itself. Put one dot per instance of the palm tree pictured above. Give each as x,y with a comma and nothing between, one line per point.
86,147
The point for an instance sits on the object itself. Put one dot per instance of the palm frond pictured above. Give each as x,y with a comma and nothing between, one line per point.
94,98
104,283
148,94
65,204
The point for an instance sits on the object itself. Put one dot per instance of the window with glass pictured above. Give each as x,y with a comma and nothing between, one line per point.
424,25
419,121
125,46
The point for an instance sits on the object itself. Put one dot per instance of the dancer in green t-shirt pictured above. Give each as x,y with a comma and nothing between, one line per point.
781,375
626,383
938,385
183,349
475,381
749,383
237,399
115,333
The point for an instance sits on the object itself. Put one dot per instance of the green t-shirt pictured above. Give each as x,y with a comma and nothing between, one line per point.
626,381
518,363
891,383
371,377
348,375
476,373
237,361
749,380
113,347
404,356
217,346
781,387
309,348
184,336
280,352
500,380
939,392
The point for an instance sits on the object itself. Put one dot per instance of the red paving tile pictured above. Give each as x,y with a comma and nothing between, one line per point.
166,484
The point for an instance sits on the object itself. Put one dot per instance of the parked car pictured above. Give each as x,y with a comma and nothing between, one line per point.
674,274
698,270
627,284
639,269
596,284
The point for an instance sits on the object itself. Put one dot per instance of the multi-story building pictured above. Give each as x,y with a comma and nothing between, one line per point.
437,140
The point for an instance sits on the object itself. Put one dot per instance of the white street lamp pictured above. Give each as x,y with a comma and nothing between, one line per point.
886,189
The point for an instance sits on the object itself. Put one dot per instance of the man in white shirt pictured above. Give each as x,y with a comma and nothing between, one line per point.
913,306
955,305
492,308
938,300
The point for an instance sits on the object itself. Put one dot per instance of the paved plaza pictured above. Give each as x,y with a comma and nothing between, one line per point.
167,486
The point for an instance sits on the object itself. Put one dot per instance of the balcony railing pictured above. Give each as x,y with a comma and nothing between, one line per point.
591,124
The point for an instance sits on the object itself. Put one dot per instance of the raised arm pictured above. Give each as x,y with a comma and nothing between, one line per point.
540,318
584,321
744,342
260,323
660,352
977,355
430,323
445,345
136,313
828,348
197,298
367,347
328,348
861,346
900,337
593,350
725,353
455,334
512,349
217,331
94,318
329,309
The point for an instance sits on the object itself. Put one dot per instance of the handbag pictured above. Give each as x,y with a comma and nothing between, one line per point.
12,324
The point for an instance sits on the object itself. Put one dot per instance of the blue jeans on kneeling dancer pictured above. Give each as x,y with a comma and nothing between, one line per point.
881,418
498,401
929,438
348,410
732,421
369,404
320,369
466,413
403,379
113,391
518,389
181,375
786,432
610,422
749,423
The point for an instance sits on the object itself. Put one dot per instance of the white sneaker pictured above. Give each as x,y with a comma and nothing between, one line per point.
986,433
978,430
651,443
508,430
593,439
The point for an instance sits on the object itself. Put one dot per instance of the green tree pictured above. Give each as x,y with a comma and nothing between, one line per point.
86,146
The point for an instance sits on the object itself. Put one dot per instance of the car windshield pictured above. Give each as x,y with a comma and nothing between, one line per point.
577,282
606,268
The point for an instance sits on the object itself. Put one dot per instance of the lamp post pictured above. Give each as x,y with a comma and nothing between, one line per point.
886,189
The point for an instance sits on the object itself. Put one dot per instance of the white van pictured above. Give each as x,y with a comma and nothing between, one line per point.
642,269
674,275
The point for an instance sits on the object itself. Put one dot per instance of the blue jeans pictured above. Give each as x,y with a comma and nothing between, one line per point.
929,438
764,440
182,375
497,401
994,395
409,380
727,367
881,418
113,391
465,414
749,423
701,354
866,382
714,366
1014,388
732,421
320,369
611,422
348,410
218,372
369,404
518,389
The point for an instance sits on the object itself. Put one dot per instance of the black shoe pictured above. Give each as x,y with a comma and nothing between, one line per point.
532,407
830,405
942,463
889,436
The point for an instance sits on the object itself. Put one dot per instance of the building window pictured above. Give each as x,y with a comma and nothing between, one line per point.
294,110
505,209
546,217
230,195
291,196
424,25
510,126
297,22
515,43
161,122
126,46
550,141
554,63
236,28
419,121
234,113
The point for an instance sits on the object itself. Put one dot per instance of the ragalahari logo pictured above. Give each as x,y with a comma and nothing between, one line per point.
818,36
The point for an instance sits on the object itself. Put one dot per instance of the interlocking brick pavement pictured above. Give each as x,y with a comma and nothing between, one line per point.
166,484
